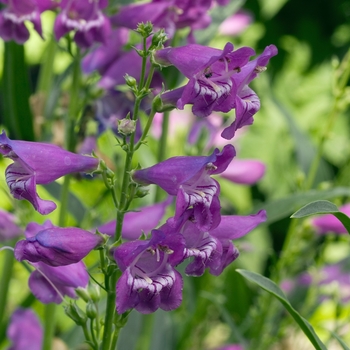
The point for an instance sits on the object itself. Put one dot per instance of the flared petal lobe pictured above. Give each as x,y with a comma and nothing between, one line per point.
39,163
149,280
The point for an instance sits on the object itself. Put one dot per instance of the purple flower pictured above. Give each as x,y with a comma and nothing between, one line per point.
244,171
189,179
214,249
329,223
25,331
50,284
149,280
236,23
86,18
12,18
231,347
55,246
39,163
137,222
104,56
211,86
167,14
218,80
8,226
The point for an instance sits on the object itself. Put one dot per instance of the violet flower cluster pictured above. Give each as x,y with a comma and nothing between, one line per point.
197,232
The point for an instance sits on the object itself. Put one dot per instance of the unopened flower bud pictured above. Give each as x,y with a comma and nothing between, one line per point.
91,310
145,29
83,293
158,40
76,314
130,81
126,126
141,192
94,292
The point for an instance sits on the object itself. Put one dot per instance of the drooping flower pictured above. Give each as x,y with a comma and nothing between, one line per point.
137,222
50,283
244,171
189,178
214,249
25,331
218,80
55,246
39,163
329,223
236,23
12,18
8,226
86,18
149,280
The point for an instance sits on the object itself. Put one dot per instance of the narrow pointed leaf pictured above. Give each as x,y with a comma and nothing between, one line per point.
273,289
341,341
323,207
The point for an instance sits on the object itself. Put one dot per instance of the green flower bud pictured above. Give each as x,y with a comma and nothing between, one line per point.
83,293
126,126
91,310
94,292
76,314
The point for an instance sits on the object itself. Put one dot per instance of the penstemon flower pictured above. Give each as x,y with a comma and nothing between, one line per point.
218,80
12,18
50,284
143,220
149,280
86,18
189,178
214,249
24,330
55,246
39,163
8,226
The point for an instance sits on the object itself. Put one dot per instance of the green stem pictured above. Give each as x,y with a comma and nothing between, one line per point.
110,311
146,130
162,148
49,326
86,333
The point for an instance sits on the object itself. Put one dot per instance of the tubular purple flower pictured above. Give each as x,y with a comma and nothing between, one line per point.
39,163
8,226
329,223
137,222
214,249
167,14
25,331
210,87
55,246
50,283
218,80
12,18
149,280
86,18
189,178
244,171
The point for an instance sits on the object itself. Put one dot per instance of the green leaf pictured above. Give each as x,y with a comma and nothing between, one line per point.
323,207
341,341
283,207
16,92
273,289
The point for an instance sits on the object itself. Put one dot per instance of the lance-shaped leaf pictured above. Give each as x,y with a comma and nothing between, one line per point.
273,289
323,207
